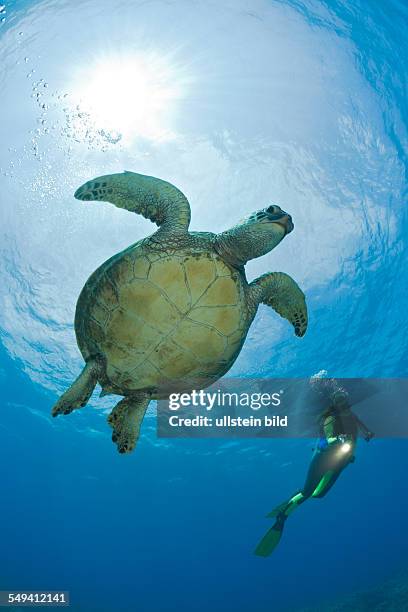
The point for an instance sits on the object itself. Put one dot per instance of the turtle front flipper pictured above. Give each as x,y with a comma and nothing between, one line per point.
151,197
80,391
126,419
280,292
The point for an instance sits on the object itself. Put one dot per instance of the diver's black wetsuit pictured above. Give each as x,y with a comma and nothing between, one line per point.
339,429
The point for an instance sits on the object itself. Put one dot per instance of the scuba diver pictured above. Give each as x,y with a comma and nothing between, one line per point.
339,429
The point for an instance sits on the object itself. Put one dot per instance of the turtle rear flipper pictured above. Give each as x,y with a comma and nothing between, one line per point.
126,419
77,396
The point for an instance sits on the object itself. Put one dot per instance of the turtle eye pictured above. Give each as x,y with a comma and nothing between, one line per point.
273,209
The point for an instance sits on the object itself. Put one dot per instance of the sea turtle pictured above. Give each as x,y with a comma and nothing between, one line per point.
171,312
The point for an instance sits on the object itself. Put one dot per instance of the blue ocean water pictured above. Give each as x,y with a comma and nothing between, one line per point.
300,101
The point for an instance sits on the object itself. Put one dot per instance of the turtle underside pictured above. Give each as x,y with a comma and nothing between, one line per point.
163,320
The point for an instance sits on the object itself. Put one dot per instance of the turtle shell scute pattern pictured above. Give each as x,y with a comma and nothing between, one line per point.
161,319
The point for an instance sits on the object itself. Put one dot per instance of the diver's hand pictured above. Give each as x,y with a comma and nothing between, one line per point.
368,436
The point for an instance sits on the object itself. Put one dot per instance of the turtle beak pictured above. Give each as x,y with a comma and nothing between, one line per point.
287,223
279,216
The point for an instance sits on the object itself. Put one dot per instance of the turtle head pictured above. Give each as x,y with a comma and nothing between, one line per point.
272,223
255,235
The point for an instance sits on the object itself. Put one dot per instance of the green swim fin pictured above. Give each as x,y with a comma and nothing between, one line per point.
270,540
277,510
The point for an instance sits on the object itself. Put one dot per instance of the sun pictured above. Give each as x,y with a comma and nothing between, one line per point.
134,96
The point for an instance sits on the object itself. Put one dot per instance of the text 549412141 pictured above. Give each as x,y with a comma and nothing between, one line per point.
34,598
